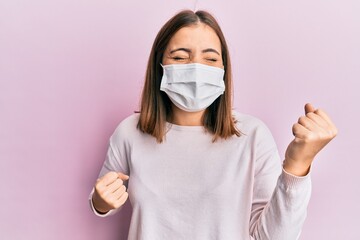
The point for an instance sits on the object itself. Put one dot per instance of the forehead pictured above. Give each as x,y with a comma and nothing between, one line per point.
195,36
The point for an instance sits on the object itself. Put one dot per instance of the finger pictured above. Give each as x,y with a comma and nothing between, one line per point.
299,131
119,192
323,114
308,123
115,185
318,120
119,202
309,108
123,176
123,198
108,178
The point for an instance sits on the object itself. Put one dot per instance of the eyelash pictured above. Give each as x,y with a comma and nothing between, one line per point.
212,59
180,58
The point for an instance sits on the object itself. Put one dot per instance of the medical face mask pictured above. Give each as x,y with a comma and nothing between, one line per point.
192,87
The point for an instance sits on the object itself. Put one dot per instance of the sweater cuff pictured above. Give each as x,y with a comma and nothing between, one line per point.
111,212
291,181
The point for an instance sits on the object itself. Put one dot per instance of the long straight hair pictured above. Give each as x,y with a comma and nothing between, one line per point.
156,106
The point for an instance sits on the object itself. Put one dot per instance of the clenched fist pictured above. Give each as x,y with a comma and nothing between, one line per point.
110,192
312,132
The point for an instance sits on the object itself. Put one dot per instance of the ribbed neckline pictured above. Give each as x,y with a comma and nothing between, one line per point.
182,128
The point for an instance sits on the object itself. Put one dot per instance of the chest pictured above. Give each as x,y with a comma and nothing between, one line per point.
186,168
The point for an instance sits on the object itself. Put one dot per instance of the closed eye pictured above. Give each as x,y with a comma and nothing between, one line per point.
212,59
178,58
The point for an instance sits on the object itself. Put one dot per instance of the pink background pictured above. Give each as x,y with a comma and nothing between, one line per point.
71,70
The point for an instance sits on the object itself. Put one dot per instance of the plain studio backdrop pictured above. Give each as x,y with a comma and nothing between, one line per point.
71,70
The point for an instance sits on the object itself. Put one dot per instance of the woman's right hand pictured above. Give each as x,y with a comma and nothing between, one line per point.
110,192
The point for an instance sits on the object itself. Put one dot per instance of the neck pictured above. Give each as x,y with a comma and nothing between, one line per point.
183,118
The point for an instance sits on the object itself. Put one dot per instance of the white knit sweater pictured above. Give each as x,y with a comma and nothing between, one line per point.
191,188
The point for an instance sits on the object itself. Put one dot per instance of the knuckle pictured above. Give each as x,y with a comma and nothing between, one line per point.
116,205
99,188
309,114
98,185
112,202
295,128
111,175
311,137
314,135
302,119
103,193
110,199
120,181
319,110
323,136
124,198
334,132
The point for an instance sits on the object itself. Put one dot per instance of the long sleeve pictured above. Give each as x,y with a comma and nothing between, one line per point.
116,160
280,199
189,187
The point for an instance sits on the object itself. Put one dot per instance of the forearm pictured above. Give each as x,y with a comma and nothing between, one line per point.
283,216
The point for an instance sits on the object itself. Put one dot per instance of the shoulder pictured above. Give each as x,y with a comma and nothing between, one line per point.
126,129
128,123
248,124
254,129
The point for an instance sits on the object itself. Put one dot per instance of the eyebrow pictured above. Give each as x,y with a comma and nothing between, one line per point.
189,51
210,50
181,49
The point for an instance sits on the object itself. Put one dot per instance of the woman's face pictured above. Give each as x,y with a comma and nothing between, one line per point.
194,44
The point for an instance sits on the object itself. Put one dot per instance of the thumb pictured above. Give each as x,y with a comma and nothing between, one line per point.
309,108
123,176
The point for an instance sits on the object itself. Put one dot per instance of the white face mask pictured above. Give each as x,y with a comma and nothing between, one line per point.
192,87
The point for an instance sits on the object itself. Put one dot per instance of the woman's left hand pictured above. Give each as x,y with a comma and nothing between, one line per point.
312,132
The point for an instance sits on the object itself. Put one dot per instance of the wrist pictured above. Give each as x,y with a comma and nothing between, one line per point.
98,209
295,168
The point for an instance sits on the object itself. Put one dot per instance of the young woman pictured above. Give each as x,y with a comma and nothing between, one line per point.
192,167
